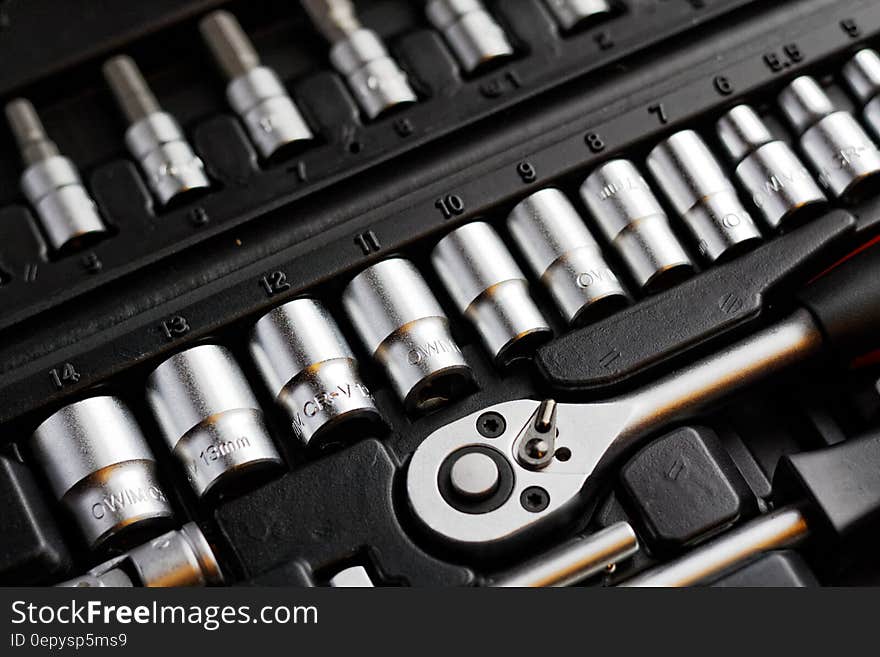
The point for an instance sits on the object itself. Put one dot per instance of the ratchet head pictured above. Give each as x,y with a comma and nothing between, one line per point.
469,484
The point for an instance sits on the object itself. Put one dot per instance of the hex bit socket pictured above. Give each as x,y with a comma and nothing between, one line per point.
154,138
359,55
571,14
472,33
255,93
50,182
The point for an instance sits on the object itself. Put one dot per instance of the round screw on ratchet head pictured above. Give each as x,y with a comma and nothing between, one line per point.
210,418
491,424
154,137
839,149
475,476
781,187
403,327
101,470
490,290
534,499
862,73
564,255
50,182
631,218
474,36
254,91
702,195
308,366
571,14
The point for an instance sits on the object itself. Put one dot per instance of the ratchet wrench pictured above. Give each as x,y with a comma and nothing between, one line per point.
516,468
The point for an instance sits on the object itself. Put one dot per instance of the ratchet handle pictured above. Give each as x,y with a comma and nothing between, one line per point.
845,303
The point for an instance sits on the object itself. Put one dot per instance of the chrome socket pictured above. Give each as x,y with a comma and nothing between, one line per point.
571,14
254,92
311,371
210,418
101,470
489,289
702,195
267,111
166,158
781,187
154,137
631,218
403,327
51,183
66,212
567,259
862,73
182,557
839,149
373,77
470,30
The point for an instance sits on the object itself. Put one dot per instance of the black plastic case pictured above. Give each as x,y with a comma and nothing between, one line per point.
472,147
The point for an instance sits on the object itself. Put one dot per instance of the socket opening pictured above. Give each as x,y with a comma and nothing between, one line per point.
439,388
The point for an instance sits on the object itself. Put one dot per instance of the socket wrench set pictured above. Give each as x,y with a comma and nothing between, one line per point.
440,293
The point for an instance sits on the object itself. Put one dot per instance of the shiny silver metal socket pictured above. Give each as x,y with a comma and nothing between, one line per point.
566,258
154,138
632,219
872,115
166,158
66,212
702,195
373,77
781,187
403,327
267,111
805,103
489,289
742,132
309,368
51,183
210,419
471,32
571,14
101,470
839,149
862,73
182,557
254,92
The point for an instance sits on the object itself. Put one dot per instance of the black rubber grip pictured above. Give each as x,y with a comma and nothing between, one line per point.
841,484
845,303
724,299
